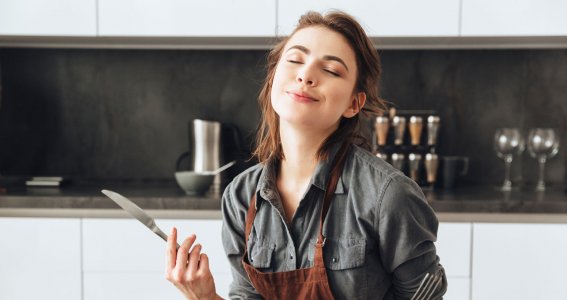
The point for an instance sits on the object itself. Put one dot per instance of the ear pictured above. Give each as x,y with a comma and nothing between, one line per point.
356,104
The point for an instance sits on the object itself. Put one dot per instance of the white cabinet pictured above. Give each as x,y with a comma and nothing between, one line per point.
39,17
382,17
40,258
514,18
454,248
519,261
247,18
124,260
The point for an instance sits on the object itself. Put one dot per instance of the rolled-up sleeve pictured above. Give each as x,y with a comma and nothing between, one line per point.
407,228
234,216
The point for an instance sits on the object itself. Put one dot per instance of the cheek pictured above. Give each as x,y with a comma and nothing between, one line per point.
342,96
277,83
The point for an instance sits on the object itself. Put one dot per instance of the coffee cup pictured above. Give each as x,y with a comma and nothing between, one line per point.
452,167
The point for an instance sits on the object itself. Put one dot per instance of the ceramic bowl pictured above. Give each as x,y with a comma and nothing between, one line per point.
194,183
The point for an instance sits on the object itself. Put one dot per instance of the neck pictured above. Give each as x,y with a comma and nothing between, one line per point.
300,147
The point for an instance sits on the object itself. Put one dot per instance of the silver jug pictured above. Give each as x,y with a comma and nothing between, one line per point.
206,148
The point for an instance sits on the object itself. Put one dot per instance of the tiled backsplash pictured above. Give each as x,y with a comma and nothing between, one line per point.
123,113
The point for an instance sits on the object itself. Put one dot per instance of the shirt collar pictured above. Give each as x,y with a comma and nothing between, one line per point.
322,170
267,187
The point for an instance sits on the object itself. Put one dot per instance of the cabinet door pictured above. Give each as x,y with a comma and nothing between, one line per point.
382,17
247,18
454,249
40,258
57,18
124,260
519,261
514,18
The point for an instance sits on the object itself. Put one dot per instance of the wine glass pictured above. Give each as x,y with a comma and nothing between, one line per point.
543,143
507,142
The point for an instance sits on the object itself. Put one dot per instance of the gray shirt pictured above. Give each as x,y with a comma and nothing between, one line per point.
380,230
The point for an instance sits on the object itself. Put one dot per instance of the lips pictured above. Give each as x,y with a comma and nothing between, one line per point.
301,96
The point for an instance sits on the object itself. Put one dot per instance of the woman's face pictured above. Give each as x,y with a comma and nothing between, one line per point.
314,81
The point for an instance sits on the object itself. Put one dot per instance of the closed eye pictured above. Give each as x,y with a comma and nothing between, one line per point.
332,72
293,61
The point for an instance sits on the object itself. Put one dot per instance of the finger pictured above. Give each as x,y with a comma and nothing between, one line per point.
171,251
193,265
183,252
203,264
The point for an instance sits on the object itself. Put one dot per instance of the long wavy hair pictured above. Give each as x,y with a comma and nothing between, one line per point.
268,143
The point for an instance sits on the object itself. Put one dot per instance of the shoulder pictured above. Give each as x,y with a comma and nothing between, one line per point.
363,158
369,171
391,187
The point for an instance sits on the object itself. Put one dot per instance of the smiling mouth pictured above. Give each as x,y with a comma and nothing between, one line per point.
301,97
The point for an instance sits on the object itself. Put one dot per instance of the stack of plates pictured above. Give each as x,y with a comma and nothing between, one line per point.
45,181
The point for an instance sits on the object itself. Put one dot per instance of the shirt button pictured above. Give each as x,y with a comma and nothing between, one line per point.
291,256
334,259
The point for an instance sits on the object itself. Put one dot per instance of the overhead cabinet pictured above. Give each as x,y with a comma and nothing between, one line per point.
254,24
220,18
514,18
48,18
382,18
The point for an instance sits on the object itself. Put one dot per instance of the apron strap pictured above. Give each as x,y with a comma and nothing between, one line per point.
335,174
250,220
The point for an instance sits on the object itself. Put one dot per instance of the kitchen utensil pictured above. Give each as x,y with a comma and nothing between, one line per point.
433,123
136,212
543,143
209,146
414,165
381,127
415,128
507,143
399,124
398,161
431,166
427,287
217,171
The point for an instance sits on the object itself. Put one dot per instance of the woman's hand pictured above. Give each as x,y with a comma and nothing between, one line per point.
189,271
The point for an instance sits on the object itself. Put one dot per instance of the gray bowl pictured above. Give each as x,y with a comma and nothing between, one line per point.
194,183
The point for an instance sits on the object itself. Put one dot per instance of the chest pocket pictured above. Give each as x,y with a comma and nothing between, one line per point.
344,254
261,257
260,253
346,269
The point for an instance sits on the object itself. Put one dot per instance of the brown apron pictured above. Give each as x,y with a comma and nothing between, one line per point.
308,283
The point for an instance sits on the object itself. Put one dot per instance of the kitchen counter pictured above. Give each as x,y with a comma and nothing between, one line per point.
166,200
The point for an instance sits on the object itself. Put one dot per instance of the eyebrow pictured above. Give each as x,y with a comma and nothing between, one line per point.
326,57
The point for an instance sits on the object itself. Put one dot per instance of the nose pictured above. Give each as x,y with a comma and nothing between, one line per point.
306,76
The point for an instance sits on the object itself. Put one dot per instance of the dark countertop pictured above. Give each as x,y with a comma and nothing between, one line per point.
166,200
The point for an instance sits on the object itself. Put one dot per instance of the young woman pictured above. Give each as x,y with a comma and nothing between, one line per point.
319,217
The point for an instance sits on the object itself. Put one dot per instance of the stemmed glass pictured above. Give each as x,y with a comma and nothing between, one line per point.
507,142
543,143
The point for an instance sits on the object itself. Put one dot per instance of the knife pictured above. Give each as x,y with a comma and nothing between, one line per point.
136,212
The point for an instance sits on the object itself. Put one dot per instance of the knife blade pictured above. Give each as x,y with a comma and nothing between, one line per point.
136,212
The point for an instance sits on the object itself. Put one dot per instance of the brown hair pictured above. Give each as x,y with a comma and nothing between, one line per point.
268,144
